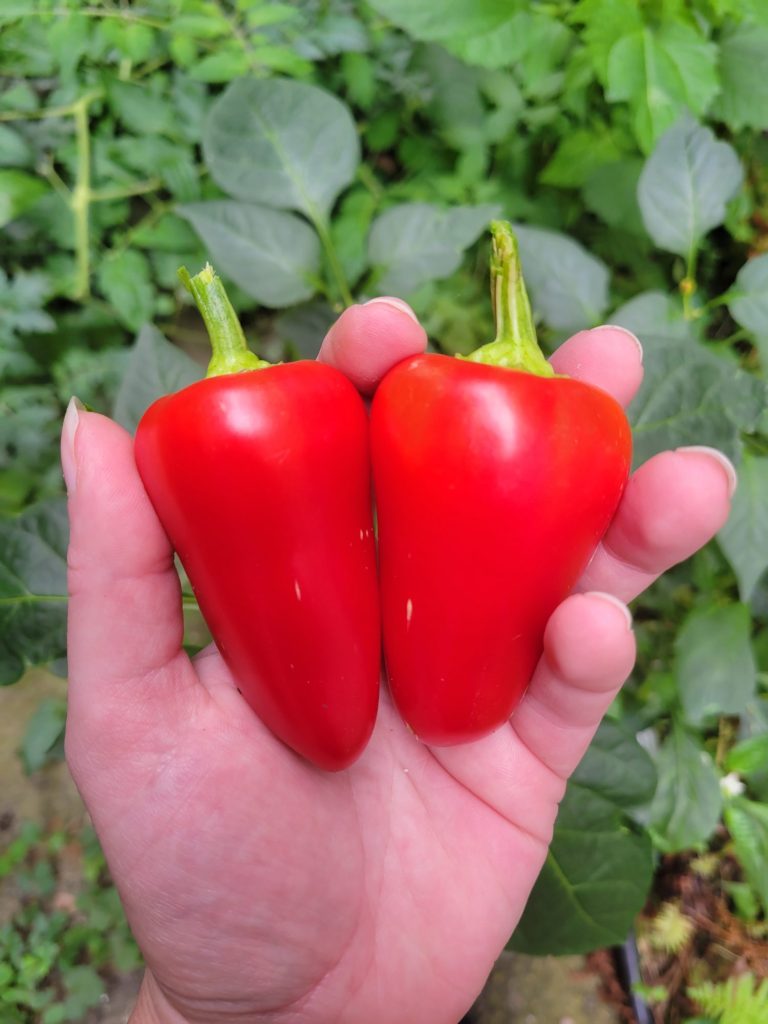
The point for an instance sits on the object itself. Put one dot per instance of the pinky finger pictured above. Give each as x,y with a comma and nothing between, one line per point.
589,651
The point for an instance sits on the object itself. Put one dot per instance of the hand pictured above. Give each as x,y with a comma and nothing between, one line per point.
260,889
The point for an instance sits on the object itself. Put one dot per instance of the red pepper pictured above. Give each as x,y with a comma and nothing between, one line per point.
260,476
494,481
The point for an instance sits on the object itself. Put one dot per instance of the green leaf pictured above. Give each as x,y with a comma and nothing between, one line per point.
749,301
272,255
568,286
689,395
43,739
433,20
661,75
281,143
84,989
610,191
748,756
598,871
715,666
743,100
15,151
304,327
695,59
18,192
33,588
536,44
413,243
685,186
126,280
688,801
744,538
605,23
155,368
578,155
747,822
222,66
141,109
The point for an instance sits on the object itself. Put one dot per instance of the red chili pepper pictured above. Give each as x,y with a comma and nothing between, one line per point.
260,476
494,481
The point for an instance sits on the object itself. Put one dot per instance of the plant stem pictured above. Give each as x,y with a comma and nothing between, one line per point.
331,255
139,188
81,198
515,346
230,349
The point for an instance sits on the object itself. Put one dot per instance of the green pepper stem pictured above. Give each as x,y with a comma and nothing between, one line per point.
230,349
515,346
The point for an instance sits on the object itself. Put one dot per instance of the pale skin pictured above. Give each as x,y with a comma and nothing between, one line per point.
263,890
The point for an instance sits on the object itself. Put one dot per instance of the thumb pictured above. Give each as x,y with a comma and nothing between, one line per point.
125,617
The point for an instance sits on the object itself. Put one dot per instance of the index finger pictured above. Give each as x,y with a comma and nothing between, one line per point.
368,340
608,357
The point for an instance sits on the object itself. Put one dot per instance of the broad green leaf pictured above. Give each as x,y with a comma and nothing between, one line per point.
536,44
598,871
18,192
743,99
689,394
687,804
272,255
141,109
434,20
748,756
643,75
414,243
578,155
695,59
605,23
304,327
126,280
222,66
744,538
661,74
610,191
281,143
749,302
457,103
15,151
155,368
568,286
33,588
715,666
747,822
685,185
43,739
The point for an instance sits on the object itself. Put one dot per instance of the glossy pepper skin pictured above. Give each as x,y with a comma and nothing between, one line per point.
261,479
493,487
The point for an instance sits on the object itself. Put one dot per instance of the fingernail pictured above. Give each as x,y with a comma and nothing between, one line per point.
629,334
387,300
723,460
616,604
68,431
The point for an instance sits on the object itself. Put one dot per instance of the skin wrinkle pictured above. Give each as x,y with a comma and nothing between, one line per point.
521,829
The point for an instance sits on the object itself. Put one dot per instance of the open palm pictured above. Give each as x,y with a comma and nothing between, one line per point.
261,889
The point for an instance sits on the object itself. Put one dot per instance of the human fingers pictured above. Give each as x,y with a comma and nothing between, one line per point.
125,620
673,505
589,651
368,340
608,357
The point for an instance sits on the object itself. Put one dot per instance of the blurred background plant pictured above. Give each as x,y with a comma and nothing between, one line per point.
324,151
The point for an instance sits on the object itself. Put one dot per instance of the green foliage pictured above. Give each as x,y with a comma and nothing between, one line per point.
742,1000
59,947
321,152
598,868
